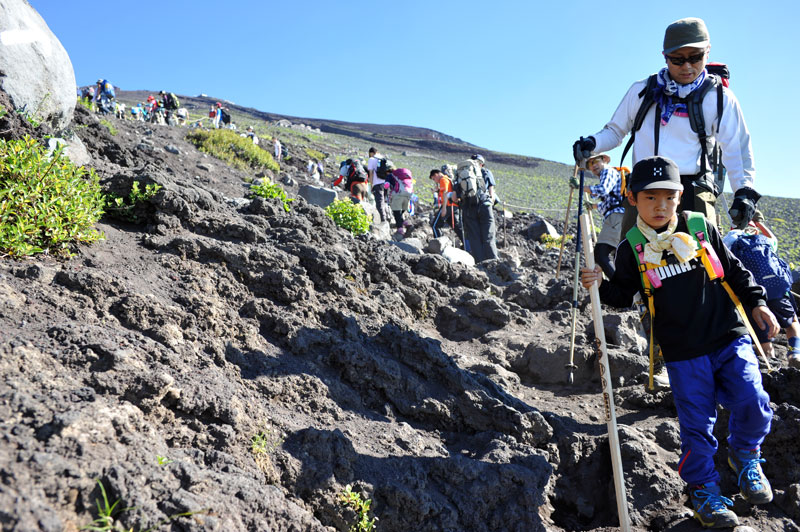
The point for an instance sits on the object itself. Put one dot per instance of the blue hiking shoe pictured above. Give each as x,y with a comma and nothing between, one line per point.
711,508
753,485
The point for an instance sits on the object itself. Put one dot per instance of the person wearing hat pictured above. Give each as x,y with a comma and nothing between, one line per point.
250,132
666,126
704,341
609,192
477,217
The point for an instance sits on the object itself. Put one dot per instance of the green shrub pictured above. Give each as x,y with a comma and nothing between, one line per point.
349,215
551,242
360,506
86,102
237,151
109,126
268,189
46,204
314,154
118,207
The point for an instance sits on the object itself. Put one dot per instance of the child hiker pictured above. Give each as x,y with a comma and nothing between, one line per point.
705,344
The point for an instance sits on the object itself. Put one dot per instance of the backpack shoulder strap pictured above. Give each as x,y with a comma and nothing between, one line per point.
697,119
646,94
637,242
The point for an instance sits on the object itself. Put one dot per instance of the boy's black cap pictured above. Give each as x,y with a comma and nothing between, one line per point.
655,172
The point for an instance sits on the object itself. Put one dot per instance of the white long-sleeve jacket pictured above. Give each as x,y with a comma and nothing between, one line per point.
677,140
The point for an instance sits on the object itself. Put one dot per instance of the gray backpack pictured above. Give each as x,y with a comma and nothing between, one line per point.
469,182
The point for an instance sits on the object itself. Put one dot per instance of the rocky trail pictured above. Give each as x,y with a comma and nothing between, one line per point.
217,363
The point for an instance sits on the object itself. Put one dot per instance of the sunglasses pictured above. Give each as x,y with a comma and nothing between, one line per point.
680,61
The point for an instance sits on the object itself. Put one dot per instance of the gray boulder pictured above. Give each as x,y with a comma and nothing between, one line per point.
541,227
437,245
36,71
453,254
74,149
320,196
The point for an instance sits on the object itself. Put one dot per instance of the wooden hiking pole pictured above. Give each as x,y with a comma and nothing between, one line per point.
608,393
575,287
566,223
593,234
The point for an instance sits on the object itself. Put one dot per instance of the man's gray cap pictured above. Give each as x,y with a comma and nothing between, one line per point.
690,32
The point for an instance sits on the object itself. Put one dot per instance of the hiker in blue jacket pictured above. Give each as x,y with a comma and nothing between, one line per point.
666,126
705,344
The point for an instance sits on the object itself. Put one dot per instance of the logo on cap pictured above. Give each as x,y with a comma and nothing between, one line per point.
656,172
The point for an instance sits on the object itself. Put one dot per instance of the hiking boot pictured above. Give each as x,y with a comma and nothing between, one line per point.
660,379
753,485
793,358
710,507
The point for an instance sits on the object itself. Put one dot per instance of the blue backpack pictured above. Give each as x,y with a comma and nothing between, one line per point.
769,270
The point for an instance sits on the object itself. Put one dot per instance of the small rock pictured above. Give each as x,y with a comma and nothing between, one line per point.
204,166
172,149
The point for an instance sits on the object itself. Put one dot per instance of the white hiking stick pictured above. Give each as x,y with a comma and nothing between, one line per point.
608,393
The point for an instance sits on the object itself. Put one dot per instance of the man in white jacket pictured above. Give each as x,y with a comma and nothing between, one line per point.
667,127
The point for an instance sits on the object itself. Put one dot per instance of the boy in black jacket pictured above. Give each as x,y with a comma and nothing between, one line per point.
705,343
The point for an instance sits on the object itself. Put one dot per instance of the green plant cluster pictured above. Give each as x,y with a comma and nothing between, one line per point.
46,203
86,103
237,151
109,126
264,442
268,189
360,506
119,207
315,154
349,215
551,242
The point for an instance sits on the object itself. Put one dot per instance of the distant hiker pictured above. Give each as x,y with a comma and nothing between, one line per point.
277,151
119,110
312,170
667,123
610,206
104,96
321,170
170,103
401,189
351,171
447,213
705,343
214,115
475,189
251,134
377,181
181,115
757,248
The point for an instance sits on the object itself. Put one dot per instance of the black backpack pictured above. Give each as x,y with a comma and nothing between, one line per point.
225,116
172,101
383,168
710,157
354,172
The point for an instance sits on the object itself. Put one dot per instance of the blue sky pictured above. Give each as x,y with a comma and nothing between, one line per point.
520,77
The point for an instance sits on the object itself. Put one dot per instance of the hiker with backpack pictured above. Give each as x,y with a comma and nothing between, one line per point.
447,213
693,285
104,96
401,188
610,194
170,103
757,249
276,149
474,186
351,171
686,114
378,168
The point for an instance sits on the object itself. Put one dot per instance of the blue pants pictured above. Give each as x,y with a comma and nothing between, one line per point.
730,377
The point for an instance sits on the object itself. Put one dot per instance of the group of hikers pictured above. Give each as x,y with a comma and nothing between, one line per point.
464,198
712,302
166,109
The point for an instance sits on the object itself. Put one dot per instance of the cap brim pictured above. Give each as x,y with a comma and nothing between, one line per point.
701,44
664,185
